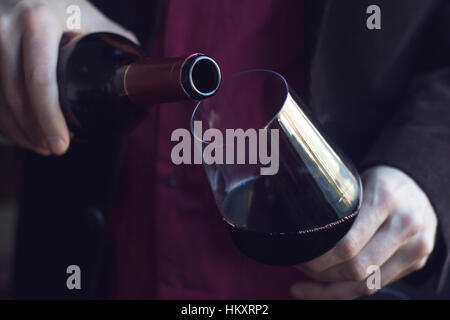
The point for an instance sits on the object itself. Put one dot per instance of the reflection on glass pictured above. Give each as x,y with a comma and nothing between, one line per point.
309,204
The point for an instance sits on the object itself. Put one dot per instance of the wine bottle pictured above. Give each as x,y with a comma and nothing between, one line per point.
107,83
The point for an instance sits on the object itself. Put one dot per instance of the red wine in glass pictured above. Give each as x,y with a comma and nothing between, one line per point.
309,204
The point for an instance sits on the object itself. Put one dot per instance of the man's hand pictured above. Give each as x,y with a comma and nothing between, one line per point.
394,230
30,33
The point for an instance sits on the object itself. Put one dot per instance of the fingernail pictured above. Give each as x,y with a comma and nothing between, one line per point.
57,145
42,151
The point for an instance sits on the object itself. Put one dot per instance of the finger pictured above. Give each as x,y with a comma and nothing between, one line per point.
12,85
342,290
394,233
40,56
10,128
375,209
412,257
327,291
422,246
416,266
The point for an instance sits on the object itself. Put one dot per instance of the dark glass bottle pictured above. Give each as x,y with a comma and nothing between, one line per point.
106,83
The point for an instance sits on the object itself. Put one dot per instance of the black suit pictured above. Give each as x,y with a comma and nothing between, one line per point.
382,95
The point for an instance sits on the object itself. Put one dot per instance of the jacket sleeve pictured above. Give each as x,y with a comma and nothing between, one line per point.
417,140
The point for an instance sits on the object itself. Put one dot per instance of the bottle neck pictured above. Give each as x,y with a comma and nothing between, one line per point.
148,81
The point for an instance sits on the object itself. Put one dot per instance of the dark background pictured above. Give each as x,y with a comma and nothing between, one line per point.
10,164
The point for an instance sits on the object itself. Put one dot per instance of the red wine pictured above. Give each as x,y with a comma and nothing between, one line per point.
282,220
315,192
106,83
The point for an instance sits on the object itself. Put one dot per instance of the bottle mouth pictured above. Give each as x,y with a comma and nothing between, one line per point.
204,77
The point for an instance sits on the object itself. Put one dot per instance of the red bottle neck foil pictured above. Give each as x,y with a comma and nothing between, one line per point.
194,77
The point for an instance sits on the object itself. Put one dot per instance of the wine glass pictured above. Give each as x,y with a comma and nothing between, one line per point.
307,203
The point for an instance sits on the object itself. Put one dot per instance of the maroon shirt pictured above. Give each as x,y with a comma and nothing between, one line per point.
168,236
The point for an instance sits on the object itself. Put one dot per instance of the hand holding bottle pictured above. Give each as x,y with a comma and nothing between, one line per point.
30,34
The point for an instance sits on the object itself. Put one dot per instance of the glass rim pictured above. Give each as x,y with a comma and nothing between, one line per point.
267,71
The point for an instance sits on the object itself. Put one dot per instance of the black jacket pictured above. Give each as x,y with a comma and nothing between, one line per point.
382,95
